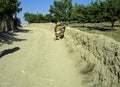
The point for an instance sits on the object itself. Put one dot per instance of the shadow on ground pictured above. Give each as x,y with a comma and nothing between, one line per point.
22,30
8,51
101,28
105,28
9,38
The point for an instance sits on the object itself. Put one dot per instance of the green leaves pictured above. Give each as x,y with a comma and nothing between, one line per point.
98,11
8,8
61,9
110,10
107,10
37,18
78,12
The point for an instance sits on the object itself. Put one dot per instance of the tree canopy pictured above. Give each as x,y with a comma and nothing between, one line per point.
37,18
64,10
61,9
8,10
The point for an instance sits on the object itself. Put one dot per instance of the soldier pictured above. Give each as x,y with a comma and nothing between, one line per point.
59,30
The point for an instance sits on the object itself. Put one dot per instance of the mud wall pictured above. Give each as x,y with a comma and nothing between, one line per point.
99,50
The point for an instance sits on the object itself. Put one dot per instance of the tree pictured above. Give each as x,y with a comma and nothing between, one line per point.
48,17
111,10
61,9
68,6
95,11
29,17
107,10
8,8
39,18
17,22
78,13
34,18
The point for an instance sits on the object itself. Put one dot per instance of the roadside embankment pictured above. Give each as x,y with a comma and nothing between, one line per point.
98,57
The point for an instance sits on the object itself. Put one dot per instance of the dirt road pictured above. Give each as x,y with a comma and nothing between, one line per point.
40,61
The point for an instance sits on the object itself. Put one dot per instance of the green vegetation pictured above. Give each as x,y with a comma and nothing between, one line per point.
61,9
65,11
99,17
8,11
33,18
100,28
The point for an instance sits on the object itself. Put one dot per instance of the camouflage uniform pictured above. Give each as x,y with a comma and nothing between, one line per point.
59,31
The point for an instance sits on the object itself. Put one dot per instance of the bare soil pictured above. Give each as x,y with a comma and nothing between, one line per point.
39,61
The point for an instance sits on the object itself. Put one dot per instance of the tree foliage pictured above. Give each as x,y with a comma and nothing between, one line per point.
61,9
17,22
36,18
78,13
8,9
64,10
110,10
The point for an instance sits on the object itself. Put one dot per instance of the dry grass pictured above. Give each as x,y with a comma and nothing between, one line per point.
100,28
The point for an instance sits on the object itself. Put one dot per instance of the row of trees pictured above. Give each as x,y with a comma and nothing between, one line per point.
8,11
59,11
37,18
64,10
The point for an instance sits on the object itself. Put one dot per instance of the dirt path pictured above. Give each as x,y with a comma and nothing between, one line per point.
40,62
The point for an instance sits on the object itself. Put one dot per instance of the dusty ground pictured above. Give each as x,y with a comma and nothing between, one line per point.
40,61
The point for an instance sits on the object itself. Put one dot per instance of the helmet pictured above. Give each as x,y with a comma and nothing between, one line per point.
58,23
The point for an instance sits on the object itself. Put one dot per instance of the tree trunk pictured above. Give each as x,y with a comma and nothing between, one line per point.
112,24
11,24
83,24
7,24
15,21
95,23
4,24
